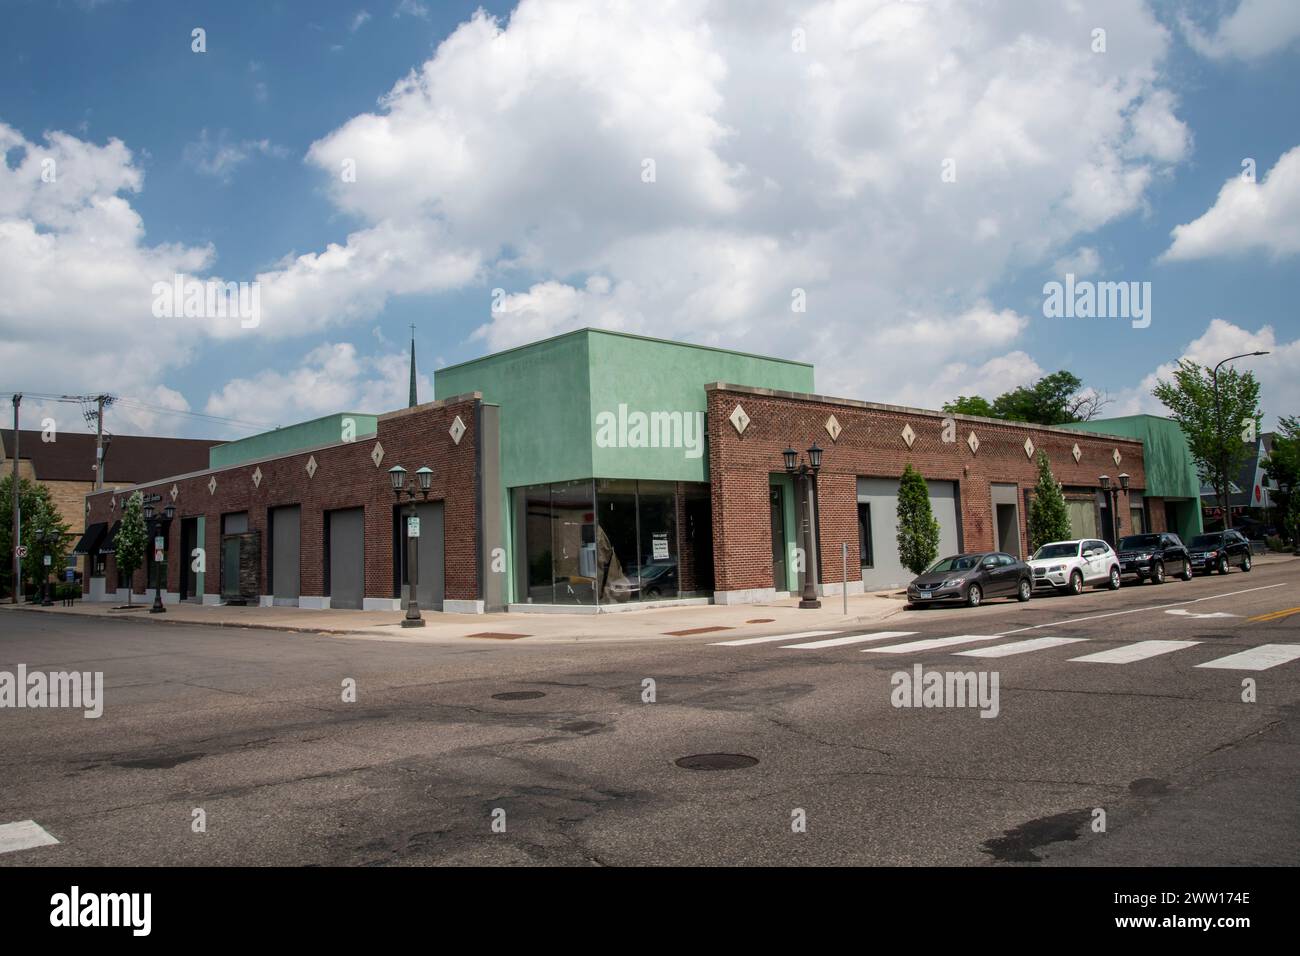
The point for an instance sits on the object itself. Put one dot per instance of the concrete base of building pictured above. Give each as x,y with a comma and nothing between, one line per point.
606,608
96,590
462,607
266,600
837,588
121,595
212,600
382,604
314,603
749,596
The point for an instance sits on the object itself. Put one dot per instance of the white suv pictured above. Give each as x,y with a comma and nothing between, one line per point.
1069,565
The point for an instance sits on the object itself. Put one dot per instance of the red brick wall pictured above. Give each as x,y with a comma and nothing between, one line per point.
346,477
870,445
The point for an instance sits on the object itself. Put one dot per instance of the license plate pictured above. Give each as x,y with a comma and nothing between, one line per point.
924,594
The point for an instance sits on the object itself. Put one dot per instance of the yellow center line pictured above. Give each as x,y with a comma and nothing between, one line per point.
1276,615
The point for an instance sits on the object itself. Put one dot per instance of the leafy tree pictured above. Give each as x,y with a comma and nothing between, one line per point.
1291,520
38,512
132,537
1215,428
1283,467
918,531
1049,518
970,405
1055,399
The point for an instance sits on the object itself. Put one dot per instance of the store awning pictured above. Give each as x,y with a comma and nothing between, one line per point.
90,540
110,540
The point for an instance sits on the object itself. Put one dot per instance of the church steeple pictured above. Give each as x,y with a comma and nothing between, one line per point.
414,400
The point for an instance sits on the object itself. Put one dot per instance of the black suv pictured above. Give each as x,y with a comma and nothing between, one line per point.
1219,550
1152,556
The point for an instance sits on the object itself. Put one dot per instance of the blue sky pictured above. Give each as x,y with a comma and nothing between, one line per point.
796,147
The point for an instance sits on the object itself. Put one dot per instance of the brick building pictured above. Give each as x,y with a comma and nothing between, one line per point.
597,470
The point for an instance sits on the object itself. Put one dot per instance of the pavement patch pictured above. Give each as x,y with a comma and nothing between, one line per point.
1018,844
519,695
716,762
23,835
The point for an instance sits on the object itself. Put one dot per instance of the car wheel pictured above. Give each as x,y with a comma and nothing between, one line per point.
1026,590
1114,579
1076,583
974,595
1223,564
1158,573
1187,570
1245,563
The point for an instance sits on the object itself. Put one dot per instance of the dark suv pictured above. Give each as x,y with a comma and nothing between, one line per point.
1219,550
1151,556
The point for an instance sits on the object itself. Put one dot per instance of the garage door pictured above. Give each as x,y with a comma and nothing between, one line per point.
429,557
878,517
347,554
285,548
1083,518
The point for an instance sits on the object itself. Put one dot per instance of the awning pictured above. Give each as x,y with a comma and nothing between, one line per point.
108,545
90,540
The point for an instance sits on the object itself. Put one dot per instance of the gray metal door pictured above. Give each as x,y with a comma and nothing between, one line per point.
285,547
347,558
429,568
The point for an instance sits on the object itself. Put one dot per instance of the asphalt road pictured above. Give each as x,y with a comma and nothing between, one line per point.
250,727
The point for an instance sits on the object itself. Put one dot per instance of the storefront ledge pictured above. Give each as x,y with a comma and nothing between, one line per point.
381,604
462,607
265,600
97,589
121,595
749,596
171,597
212,600
606,608
314,603
855,587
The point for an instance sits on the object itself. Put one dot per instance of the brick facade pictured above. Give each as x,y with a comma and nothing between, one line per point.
346,476
871,445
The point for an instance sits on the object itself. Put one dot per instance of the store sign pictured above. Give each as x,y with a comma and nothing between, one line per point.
413,527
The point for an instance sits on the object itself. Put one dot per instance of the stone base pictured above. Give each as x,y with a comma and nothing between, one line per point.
314,603
212,600
855,587
383,604
462,607
749,596
265,600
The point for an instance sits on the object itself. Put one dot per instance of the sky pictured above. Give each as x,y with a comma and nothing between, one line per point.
884,188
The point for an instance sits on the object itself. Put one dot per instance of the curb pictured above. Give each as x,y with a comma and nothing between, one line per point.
154,619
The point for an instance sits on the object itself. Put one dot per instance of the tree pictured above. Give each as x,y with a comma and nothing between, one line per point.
1283,468
1221,432
970,405
132,535
1055,399
1049,518
38,513
918,531
1291,520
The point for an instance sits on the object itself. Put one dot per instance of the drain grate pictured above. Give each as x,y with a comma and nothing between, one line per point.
716,761
519,695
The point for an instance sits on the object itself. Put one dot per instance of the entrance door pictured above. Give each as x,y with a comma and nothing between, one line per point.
1006,519
189,541
429,574
779,549
347,558
285,548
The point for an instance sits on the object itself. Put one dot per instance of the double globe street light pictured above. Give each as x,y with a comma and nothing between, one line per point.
1112,500
806,471
423,479
161,526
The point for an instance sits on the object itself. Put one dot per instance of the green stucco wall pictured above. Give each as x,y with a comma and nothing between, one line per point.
329,430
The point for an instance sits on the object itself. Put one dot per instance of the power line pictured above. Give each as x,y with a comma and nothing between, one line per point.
148,406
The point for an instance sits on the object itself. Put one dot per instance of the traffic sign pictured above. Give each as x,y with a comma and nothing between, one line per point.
21,551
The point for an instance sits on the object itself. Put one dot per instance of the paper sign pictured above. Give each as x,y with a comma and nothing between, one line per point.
158,543
47,561
660,540
413,527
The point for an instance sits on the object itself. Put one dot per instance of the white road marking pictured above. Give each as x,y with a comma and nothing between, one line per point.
1020,647
1257,658
931,644
852,639
772,639
23,835
1138,610
1186,613
1135,652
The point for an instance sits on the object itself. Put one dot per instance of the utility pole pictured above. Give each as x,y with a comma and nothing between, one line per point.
17,562
99,443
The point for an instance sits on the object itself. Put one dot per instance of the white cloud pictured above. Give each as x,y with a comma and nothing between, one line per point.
1254,30
1247,217
219,157
411,8
359,20
1084,261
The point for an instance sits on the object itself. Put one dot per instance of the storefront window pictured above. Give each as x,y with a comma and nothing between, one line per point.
573,542
657,517
618,580
534,504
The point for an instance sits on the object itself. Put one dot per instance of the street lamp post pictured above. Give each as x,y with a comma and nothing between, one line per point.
46,537
1112,502
1224,499
423,479
807,473
160,526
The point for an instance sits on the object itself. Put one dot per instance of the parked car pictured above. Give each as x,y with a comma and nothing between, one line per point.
1219,550
1151,556
970,578
1070,565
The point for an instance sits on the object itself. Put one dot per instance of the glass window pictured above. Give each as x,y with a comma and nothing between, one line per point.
573,542
865,553
617,578
533,507
657,521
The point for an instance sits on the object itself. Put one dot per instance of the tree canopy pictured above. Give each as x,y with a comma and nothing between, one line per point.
1055,399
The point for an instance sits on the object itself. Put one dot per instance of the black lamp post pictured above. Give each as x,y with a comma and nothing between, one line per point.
46,537
423,479
807,473
1112,502
158,528
1226,500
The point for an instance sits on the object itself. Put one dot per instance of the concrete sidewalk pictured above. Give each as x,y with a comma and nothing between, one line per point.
730,621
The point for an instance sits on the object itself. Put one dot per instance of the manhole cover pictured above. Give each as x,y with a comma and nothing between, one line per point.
716,761
519,695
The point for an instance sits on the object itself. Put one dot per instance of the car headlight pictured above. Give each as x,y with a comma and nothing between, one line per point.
1144,557
1056,567
952,582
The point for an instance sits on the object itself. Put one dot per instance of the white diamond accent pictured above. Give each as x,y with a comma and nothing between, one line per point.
973,443
174,492
833,427
377,455
909,436
212,485
257,477
739,420
1029,448
457,430
311,467
112,504
1118,457
1076,453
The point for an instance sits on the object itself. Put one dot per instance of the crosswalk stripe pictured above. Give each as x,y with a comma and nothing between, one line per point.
1019,647
931,644
23,835
772,639
1257,658
851,639
1135,652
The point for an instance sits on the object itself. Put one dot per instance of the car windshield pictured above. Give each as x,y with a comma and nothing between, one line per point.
1136,542
958,562
1207,541
1069,549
